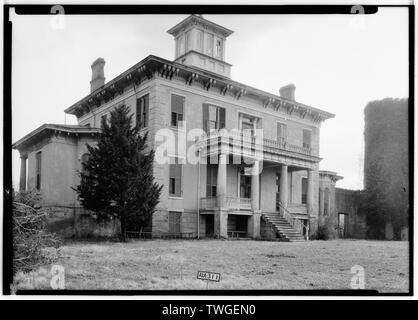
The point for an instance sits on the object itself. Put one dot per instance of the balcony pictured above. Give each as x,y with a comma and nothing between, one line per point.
232,203
247,145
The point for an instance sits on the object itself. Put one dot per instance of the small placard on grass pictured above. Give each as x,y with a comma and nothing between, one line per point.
208,276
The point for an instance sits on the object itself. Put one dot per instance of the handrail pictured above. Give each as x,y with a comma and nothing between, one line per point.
291,220
286,213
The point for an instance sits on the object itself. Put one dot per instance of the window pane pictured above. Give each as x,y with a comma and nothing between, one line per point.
209,45
200,40
213,111
174,119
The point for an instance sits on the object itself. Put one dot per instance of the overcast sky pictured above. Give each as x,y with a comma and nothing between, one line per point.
337,63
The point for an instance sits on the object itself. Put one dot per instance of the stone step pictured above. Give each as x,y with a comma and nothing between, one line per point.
284,229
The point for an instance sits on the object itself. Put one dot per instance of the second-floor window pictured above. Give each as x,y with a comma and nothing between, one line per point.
175,179
248,123
104,119
281,132
142,111
307,138
177,110
213,117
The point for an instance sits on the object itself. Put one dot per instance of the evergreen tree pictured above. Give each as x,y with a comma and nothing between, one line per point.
117,180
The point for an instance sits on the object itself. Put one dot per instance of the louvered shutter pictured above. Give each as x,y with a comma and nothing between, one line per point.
205,117
221,118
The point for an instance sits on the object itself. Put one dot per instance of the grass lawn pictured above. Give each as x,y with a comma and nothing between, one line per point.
243,264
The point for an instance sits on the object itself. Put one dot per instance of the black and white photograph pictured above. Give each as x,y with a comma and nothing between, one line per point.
209,151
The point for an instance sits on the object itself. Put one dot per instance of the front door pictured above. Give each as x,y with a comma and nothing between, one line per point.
342,225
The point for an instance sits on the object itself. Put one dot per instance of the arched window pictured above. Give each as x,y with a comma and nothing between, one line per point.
326,202
84,158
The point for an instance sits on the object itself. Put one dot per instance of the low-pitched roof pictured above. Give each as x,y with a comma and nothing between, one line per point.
70,129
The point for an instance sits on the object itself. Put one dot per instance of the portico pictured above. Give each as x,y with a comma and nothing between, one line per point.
232,196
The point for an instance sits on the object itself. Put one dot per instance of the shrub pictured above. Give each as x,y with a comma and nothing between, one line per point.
33,245
325,232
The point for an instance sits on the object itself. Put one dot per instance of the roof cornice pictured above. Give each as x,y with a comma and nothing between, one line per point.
56,128
152,66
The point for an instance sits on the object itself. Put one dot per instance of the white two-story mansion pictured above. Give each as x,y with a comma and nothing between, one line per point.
257,178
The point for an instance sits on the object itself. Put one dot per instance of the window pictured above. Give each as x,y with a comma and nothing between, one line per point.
306,138
248,124
304,190
209,45
142,111
104,119
245,185
38,169
326,202
281,132
175,184
213,117
218,48
174,222
188,40
177,109
84,158
211,180
200,40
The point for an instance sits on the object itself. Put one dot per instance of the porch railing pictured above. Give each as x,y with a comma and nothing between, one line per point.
234,203
250,140
208,203
238,203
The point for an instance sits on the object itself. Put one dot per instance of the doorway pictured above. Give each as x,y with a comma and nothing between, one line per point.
210,225
342,224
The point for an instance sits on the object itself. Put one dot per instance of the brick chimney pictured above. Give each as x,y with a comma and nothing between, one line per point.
288,92
97,74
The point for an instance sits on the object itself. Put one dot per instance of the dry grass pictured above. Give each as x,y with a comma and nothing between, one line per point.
173,264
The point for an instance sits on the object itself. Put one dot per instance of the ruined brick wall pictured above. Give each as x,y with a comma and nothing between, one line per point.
347,202
386,163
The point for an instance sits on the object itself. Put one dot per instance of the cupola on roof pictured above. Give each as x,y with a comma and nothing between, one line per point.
201,43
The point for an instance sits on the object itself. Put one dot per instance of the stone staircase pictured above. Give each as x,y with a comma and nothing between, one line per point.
283,228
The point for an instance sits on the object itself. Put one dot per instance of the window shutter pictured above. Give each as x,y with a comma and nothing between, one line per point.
221,118
205,117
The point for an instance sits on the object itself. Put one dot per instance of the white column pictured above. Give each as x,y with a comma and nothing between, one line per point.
255,186
309,196
284,186
22,185
221,183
